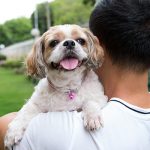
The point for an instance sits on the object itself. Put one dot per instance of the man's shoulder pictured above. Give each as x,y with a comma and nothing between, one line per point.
55,118
69,116
66,120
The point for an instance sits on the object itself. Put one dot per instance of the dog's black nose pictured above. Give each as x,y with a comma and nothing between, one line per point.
69,44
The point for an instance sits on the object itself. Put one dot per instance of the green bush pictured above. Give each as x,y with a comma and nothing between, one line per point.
2,57
20,70
13,64
34,80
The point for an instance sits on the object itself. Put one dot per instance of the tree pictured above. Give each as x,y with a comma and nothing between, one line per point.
91,2
70,11
19,28
63,12
15,30
5,36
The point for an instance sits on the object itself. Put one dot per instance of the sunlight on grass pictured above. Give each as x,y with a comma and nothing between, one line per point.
14,91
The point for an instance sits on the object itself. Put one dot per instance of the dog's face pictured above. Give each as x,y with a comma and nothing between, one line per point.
64,48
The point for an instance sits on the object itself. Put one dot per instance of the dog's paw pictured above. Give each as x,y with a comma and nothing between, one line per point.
92,122
14,134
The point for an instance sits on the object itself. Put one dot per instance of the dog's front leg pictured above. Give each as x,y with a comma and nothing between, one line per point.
92,115
17,127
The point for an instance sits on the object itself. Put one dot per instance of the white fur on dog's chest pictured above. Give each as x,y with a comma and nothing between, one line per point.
50,99
61,102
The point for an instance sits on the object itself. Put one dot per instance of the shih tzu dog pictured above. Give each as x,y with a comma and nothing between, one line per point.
64,57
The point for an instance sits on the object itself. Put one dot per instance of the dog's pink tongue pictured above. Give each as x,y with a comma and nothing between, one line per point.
69,63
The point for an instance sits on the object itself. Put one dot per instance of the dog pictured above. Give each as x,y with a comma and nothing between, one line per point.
65,58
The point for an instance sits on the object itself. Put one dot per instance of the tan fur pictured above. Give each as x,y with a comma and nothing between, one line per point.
31,62
35,62
96,52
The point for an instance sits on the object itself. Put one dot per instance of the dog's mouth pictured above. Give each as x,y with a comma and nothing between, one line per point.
68,63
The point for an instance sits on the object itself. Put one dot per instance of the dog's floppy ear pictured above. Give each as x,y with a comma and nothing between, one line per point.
96,53
35,62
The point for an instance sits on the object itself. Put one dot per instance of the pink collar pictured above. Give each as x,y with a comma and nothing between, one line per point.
71,93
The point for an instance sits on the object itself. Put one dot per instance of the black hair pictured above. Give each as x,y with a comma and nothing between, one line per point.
123,27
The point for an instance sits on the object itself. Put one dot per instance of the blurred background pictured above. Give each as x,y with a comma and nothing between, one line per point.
21,22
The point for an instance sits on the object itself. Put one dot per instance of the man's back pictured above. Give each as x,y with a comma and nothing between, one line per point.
65,130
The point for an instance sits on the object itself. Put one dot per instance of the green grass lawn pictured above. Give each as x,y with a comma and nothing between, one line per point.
14,91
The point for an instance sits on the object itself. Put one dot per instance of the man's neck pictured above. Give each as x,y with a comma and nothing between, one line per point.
127,85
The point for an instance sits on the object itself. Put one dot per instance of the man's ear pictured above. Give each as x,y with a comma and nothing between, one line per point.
96,53
35,62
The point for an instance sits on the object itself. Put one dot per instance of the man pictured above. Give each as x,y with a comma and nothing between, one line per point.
123,29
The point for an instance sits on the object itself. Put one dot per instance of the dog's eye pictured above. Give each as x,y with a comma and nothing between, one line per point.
53,43
80,41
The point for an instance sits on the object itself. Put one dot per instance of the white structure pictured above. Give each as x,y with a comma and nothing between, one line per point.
18,50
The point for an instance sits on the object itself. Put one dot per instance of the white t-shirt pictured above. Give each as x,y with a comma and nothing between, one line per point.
126,127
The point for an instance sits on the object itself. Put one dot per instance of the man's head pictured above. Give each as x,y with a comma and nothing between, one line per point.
123,28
